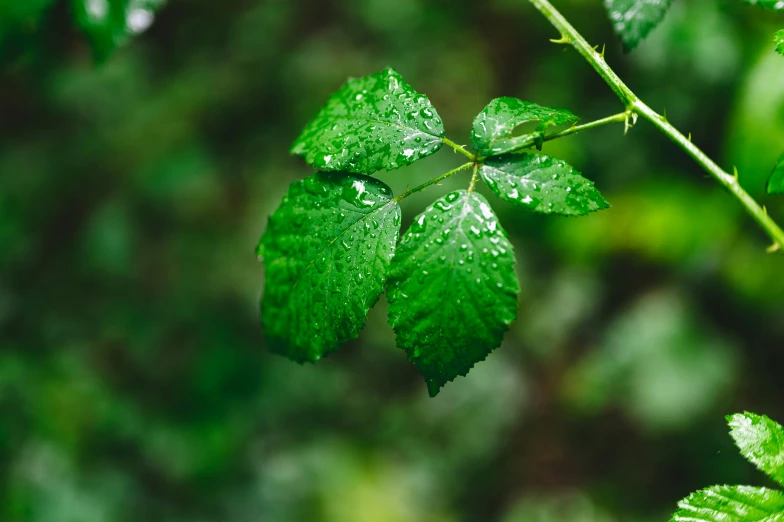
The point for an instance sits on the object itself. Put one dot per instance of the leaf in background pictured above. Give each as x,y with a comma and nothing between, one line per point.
775,5
542,184
327,251
14,14
761,441
491,134
453,287
633,20
776,180
109,24
731,504
778,39
371,123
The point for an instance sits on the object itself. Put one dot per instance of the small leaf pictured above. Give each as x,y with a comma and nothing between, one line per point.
371,123
774,5
761,441
731,504
327,251
109,24
491,134
542,184
453,287
633,20
778,39
776,180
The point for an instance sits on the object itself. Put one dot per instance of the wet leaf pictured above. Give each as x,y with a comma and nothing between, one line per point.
491,134
371,123
776,180
327,250
633,20
542,184
109,24
452,287
731,504
761,441
775,5
778,39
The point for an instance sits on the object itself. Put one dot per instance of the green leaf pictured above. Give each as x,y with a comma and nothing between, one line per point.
775,5
109,24
542,184
776,180
761,441
371,123
453,287
327,251
16,13
491,134
778,39
633,20
731,504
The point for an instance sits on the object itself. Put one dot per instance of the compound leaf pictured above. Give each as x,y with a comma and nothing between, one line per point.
453,287
491,134
776,180
371,123
778,39
633,20
542,184
327,251
731,504
761,441
774,5
109,24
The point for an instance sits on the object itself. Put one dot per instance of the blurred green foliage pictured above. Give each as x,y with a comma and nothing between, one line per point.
134,382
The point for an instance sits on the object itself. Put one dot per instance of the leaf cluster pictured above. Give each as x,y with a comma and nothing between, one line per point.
331,248
761,441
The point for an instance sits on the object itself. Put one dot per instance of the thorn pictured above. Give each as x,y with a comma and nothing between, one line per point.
561,40
629,122
664,116
603,49
735,172
690,136
772,249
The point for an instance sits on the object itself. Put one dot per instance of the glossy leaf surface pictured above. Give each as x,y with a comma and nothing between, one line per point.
776,180
633,20
491,134
775,5
371,123
327,251
109,24
761,441
542,184
778,39
453,287
731,504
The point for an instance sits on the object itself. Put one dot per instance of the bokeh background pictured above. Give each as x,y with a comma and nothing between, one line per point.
135,383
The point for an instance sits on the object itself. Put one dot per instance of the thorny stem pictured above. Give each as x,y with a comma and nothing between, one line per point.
433,181
459,148
635,106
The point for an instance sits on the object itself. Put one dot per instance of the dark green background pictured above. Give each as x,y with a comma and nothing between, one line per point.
134,380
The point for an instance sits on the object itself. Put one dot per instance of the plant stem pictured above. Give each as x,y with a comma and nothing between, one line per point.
433,181
621,117
636,106
459,148
474,178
